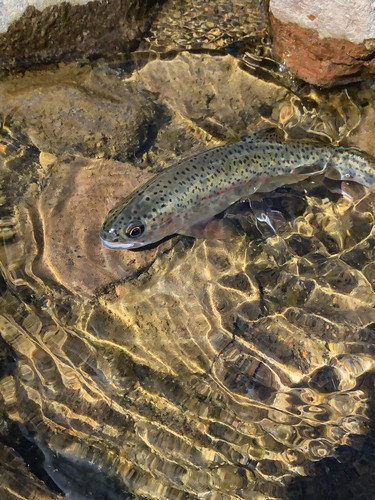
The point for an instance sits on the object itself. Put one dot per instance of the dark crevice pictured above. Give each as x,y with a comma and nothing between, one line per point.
28,451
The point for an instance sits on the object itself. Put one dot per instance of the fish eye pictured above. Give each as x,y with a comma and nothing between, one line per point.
135,230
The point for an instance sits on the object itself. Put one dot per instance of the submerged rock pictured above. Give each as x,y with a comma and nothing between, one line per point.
207,372
52,108
212,92
70,212
238,368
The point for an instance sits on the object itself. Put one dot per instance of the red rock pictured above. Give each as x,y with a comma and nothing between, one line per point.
322,61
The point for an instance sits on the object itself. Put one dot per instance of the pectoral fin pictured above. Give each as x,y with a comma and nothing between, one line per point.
214,229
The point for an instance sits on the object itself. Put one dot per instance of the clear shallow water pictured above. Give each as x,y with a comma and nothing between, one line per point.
197,369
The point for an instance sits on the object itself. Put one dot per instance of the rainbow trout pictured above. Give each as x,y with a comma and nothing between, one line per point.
185,197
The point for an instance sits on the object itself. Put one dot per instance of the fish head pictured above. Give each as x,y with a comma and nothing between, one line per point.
123,229
130,235
135,223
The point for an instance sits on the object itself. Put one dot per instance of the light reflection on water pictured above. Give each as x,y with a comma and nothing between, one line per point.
198,369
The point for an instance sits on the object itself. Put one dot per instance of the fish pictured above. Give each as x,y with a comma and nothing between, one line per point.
185,197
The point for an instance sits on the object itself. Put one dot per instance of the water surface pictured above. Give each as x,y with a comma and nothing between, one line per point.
239,369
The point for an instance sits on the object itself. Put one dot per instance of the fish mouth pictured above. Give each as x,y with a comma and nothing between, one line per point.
116,245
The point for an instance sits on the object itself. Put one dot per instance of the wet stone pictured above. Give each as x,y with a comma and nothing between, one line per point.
325,380
239,282
196,367
319,326
68,224
363,137
361,254
226,100
250,311
248,376
52,32
302,245
117,119
202,24
271,468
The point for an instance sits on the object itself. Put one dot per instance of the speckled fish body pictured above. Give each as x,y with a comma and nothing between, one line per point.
186,196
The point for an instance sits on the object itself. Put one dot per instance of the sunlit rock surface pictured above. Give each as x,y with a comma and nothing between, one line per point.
224,100
352,21
238,369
